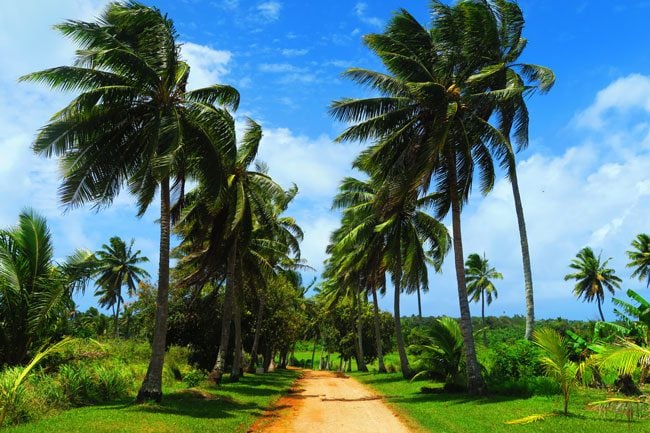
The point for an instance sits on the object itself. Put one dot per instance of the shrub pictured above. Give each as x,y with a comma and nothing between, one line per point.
517,360
112,382
194,378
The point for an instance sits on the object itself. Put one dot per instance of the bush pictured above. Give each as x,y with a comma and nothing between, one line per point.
194,378
517,360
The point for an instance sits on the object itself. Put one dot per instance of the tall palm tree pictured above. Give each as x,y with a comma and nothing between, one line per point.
117,266
592,278
134,123
406,238
35,292
428,126
480,286
507,82
640,258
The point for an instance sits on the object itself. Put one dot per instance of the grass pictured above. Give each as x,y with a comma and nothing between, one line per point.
231,407
451,413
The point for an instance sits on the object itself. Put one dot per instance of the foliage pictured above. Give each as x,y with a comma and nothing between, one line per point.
640,258
35,292
556,361
442,358
592,277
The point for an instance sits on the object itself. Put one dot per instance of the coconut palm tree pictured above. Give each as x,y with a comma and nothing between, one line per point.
556,361
35,292
640,258
592,277
117,266
134,123
428,127
507,83
480,286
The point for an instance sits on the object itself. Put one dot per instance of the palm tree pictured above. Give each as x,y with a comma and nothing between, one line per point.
35,292
117,266
406,239
556,361
508,83
592,277
428,125
640,258
479,281
134,123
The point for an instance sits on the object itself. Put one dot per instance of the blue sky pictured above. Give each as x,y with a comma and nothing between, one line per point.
584,178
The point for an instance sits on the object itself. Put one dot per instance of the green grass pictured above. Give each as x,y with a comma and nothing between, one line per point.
232,407
451,413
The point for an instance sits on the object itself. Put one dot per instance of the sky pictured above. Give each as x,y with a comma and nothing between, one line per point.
583,179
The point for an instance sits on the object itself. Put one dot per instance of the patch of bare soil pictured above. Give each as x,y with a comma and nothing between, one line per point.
326,402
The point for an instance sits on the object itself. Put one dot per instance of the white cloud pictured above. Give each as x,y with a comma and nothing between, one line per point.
360,10
279,68
208,66
620,97
270,10
315,165
294,52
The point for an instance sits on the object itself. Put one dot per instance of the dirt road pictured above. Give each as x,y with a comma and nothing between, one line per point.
325,402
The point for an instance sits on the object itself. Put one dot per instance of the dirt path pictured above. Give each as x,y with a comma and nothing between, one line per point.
325,402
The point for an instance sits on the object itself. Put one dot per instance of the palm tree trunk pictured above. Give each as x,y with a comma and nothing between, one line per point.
313,353
525,254
380,350
361,363
483,307
117,318
237,359
403,359
151,388
258,327
419,305
600,310
226,316
475,383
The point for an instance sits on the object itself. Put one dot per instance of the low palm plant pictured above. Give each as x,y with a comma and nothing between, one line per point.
444,355
556,361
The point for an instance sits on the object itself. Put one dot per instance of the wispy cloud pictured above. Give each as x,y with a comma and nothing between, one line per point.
361,9
270,10
294,52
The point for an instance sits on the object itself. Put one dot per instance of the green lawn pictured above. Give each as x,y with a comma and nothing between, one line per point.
450,413
232,407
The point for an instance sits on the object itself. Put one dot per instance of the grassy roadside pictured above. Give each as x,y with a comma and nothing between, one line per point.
458,413
232,407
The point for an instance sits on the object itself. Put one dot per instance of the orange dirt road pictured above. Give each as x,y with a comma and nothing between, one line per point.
325,402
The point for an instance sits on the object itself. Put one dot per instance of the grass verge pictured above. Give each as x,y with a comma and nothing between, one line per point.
231,407
459,413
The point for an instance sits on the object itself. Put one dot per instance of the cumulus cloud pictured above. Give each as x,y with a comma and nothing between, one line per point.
208,66
620,97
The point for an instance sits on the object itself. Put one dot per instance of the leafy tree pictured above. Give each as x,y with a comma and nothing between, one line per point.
640,258
480,286
592,278
133,123
35,292
117,266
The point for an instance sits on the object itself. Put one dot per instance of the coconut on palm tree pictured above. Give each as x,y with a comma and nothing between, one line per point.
592,277
135,124
117,266
480,286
